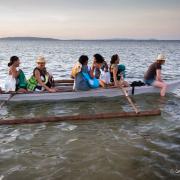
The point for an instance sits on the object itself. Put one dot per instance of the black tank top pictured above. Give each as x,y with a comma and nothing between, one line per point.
118,75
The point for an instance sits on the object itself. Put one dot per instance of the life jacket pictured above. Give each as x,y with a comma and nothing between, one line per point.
33,84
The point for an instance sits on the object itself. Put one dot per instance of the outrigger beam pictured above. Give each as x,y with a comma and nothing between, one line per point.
100,116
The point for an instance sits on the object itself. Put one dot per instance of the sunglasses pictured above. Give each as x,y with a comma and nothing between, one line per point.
40,63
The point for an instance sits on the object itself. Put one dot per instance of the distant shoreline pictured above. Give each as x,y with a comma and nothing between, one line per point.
54,39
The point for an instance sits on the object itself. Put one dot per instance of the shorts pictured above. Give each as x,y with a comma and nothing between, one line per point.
149,81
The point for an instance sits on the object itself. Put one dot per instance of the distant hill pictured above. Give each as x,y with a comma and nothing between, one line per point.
29,39
53,39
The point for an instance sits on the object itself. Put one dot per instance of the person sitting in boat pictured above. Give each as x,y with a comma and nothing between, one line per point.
153,74
41,79
100,67
83,76
117,72
16,79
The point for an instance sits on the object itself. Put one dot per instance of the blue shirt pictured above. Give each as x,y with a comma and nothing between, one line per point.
80,82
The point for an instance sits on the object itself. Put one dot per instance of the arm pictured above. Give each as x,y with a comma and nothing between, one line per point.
92,70
115,70
38,78
14,72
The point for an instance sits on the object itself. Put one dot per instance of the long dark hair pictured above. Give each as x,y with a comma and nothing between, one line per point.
99,58
13,59
114,58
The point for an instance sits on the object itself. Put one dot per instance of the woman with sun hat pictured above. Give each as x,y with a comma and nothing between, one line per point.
41,79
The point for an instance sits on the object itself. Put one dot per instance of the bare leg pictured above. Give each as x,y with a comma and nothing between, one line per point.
161,85
102,83
123,83
21,90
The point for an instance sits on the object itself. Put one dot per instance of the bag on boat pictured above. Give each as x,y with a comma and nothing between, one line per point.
105,77
137,83
31,83
93,82
10,84
122,69
76,69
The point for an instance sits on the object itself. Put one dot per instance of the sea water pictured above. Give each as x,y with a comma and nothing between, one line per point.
134,148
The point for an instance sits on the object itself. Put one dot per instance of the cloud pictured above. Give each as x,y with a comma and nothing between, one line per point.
90,19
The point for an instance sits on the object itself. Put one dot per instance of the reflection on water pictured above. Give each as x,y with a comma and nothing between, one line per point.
126,148
133,148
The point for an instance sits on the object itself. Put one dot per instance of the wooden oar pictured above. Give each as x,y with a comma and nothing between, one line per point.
80,117
129,99
6,101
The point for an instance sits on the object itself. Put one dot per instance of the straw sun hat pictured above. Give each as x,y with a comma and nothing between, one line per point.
161,57
40,59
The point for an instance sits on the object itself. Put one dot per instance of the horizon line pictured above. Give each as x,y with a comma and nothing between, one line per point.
93,39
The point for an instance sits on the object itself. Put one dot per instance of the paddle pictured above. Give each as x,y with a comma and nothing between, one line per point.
129,99
6,101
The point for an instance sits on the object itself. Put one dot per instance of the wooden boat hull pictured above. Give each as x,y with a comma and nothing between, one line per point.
96,93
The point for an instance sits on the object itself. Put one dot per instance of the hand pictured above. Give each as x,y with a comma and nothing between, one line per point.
94,63
52,90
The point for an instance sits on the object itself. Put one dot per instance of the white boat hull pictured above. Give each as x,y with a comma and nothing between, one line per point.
72,96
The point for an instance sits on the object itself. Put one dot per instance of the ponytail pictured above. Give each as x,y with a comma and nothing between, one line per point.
13,59
114,58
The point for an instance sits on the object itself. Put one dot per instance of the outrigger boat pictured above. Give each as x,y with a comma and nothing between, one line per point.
72,95
67,94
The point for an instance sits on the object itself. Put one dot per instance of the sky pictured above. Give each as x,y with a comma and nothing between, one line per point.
91,19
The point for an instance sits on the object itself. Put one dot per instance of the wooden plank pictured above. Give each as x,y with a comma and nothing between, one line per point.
63,84
64,81
79,117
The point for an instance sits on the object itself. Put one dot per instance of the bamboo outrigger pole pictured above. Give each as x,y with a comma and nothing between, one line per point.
80,117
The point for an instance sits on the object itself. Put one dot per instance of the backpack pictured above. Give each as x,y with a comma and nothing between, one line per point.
76,69
136,83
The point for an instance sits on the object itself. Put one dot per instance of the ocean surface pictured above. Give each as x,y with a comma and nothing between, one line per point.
115,149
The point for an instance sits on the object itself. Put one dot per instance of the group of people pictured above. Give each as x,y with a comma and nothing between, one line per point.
39,81
85,77
99,74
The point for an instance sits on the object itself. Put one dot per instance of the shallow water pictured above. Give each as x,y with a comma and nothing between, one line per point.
134,148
